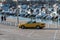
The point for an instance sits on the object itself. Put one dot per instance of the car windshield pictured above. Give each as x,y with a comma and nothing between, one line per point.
31,22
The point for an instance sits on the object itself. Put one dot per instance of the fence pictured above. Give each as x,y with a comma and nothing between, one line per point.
8,23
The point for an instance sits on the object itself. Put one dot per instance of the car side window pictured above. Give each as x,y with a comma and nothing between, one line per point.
29,22
34,22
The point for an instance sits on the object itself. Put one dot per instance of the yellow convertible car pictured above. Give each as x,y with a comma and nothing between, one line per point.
32,24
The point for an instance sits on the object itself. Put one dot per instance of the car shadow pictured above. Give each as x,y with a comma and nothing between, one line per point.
44,29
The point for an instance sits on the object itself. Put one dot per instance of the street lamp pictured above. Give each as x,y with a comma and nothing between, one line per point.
17,11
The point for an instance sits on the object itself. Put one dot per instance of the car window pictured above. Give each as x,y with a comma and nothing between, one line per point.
29,22
34,22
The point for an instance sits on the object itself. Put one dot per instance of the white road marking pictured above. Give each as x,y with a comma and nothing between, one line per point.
31,34
55,34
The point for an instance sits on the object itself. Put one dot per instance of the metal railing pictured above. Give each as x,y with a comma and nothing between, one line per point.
8,23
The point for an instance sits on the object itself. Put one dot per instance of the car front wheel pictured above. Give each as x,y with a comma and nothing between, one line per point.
38,27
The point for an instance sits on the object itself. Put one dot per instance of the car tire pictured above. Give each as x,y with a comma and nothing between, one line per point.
23,27
41,27
37,27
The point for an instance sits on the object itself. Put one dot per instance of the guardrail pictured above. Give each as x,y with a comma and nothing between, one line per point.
8,23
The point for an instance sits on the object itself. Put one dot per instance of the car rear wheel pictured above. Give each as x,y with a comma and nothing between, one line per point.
22,26
19,27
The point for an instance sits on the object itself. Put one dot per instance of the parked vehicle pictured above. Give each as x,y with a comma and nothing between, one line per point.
32,24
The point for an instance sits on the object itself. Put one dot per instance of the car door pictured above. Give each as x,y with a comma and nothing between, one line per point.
29,24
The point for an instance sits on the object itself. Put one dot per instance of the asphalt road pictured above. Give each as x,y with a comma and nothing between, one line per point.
14,33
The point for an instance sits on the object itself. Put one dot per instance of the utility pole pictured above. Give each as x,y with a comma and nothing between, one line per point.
17,12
